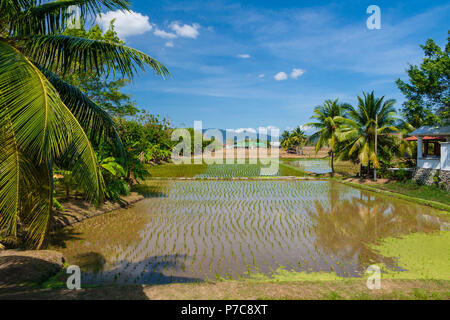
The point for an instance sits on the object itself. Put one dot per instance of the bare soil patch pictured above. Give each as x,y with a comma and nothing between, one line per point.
340,290
368,181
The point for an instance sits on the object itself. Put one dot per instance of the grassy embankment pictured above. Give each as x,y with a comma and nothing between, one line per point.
409,190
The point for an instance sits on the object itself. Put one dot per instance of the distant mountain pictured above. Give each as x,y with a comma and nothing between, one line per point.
241,134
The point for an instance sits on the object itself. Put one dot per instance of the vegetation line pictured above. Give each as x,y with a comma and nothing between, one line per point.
433,204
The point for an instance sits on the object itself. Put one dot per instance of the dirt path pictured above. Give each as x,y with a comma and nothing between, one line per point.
351,289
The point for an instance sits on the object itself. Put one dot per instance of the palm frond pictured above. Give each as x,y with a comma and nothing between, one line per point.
31,104
10,165
36,202
63,54
36,18
44,128
95,121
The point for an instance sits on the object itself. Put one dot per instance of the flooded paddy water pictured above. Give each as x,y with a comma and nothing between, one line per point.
188,231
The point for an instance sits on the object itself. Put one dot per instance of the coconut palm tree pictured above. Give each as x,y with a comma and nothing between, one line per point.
298,138
45,121
293,139
328,118
285,136
371,115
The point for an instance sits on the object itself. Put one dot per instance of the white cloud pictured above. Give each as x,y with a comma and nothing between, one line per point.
186,31
296,73
127,23
280,76
244,56
261,76
169,44
164,34
245,130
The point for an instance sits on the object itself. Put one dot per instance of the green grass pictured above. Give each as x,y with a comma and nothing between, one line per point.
346,168
422,256
413,189
176,171
283,275
404,193
286,171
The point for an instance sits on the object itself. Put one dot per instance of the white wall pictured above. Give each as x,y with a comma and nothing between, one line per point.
445,156
429,163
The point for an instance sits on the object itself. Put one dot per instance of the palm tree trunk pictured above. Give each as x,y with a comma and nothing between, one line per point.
332,163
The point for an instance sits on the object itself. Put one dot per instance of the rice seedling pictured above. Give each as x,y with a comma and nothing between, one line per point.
204,229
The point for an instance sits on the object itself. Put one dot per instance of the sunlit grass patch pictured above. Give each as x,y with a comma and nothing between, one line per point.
421,256
176,170
284,275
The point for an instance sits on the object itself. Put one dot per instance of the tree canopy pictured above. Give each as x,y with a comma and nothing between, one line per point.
428,89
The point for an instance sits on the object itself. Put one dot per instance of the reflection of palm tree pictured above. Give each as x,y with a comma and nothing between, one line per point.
350,225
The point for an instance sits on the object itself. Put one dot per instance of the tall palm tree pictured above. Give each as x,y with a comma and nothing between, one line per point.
45,121
328,118
359,131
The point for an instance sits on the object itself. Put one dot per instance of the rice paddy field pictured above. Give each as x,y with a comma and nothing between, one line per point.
189,231
224,171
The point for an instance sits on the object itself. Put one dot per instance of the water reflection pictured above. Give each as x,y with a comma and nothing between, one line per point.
193,230
349,226
315,166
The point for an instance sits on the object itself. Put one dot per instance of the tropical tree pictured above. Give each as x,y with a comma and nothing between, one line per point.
298,138
293,139
328,119
358,134
45,121
285,136
428,89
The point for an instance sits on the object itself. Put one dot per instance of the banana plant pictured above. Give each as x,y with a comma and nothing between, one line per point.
114,175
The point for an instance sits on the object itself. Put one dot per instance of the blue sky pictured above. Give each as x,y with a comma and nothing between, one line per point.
224,56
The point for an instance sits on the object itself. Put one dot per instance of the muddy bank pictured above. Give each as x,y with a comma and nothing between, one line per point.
78,210
20,268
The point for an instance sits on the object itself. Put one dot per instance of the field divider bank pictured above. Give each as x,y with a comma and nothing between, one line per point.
434,204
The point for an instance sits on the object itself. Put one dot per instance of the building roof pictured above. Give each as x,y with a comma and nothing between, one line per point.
431,131
425,138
